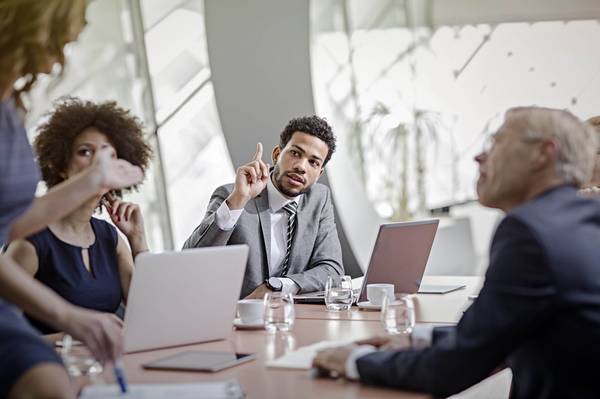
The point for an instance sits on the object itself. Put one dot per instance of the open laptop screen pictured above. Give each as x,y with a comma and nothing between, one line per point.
400,255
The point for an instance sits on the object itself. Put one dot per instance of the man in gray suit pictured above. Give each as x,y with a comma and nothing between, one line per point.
285,216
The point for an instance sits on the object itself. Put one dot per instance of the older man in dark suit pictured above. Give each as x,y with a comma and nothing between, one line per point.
539,309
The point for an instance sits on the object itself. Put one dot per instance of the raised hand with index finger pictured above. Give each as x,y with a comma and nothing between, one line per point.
250,180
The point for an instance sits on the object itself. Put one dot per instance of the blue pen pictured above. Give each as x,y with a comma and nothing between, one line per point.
120,376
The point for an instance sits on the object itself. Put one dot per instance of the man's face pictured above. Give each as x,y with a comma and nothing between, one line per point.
506,169
299,164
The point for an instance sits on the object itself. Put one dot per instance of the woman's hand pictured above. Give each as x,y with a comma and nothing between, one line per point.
111,173
102,333
128,218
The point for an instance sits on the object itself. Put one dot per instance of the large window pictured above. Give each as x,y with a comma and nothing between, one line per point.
150,56
194,154
415,99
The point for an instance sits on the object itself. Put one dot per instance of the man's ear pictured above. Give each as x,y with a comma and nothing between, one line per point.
275,154
547,153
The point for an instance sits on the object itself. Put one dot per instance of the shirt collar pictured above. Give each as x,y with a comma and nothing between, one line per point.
278,200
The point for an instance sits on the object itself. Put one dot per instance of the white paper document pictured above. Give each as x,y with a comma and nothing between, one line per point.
203,390
301,359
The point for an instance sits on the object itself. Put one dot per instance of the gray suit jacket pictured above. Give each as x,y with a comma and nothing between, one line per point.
316,252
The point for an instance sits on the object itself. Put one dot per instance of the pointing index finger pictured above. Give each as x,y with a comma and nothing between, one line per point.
259,151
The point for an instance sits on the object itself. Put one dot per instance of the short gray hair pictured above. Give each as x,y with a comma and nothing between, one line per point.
577,141
594,122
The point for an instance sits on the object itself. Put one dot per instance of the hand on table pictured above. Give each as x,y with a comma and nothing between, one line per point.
333,360
102,333
387,342
259,292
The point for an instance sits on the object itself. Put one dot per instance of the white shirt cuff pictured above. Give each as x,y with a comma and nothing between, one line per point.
227,218
422,335
359,351
289,286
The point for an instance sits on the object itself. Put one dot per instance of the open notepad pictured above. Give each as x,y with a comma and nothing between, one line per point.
301,359
229,389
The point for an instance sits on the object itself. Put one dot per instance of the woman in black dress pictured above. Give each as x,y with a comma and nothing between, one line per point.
82,257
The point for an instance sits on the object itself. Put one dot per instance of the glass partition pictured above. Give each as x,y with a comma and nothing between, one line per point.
150,56
414,99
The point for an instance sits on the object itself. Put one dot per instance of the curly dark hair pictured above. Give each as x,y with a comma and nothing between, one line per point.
312,125
70,117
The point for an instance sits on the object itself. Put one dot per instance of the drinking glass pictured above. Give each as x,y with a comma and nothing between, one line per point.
398,314
279,311
338,293
78,361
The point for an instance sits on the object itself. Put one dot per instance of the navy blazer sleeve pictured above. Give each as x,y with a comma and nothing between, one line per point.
516,299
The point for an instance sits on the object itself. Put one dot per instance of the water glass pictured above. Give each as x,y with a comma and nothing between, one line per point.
338,293
398,314
279,311
78,361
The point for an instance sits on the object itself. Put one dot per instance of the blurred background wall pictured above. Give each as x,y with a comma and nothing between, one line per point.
411,88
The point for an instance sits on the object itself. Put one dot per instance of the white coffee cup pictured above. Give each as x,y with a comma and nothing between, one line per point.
251,310
376,292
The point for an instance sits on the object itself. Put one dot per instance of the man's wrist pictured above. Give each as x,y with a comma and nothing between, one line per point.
351,369
274,284
421,336
236,201
289,285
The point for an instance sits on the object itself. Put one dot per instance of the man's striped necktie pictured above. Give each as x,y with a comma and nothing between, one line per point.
291,208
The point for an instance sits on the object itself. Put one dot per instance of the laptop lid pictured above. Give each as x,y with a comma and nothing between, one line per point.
179,298
400,255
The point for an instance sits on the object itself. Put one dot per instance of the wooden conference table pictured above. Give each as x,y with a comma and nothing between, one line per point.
313,324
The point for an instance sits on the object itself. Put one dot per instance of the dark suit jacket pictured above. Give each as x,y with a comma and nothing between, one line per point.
538,311
315,253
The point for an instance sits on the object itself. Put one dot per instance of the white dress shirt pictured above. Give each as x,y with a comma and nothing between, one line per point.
227,218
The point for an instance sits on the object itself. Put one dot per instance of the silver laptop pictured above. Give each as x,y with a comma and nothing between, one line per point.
179,298
399,257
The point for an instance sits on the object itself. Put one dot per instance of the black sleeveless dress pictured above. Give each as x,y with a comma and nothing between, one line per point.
61,267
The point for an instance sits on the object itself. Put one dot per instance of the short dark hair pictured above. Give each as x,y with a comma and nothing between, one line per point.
70,117
312,125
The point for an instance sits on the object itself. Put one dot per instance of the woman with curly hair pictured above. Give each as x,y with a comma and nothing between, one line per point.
81,257
33,34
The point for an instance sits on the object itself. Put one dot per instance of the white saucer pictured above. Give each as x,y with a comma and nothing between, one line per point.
240,325
368,305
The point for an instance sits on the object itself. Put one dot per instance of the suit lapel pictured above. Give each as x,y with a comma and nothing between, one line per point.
262,206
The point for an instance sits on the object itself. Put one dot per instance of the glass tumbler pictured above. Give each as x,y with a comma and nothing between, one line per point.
78,361
279,311
398,314
338,293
